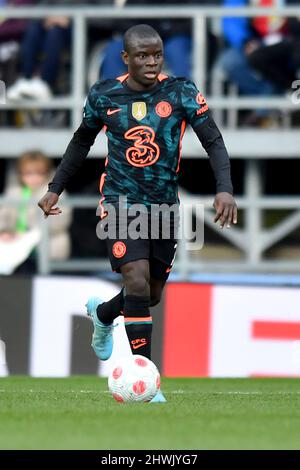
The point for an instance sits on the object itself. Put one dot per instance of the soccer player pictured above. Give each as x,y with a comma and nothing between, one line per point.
145,114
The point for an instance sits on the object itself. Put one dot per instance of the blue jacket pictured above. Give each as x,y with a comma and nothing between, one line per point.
236,31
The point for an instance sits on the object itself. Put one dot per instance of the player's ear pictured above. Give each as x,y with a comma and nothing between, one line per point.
125,57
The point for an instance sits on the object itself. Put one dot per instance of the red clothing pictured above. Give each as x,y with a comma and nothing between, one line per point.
266,25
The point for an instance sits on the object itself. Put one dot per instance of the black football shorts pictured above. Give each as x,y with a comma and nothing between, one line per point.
158,247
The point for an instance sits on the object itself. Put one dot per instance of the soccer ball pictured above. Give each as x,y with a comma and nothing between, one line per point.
134,378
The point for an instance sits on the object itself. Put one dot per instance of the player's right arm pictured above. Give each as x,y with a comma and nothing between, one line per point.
197,114
75,154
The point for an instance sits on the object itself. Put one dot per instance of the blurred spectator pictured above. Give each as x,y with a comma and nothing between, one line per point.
176,34
272,54
241,38
42,47
21,225
11,32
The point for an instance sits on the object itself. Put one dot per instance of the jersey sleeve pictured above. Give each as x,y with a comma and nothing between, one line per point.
80,144
91,108
197,114
194,104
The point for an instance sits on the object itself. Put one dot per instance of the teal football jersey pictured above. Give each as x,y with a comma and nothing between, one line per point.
144,131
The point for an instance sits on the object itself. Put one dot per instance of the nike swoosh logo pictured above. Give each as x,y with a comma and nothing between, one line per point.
137,346
113,111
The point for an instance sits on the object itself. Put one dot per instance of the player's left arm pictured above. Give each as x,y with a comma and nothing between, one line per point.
212,141
204,126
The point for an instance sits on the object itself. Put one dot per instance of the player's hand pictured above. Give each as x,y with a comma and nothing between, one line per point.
47,204
226,209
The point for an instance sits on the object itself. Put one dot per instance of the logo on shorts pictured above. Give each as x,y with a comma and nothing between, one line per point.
163,109
119,249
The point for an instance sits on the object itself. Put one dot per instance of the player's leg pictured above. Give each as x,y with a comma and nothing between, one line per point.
102,339
103,315
107,312
121,252
141,293
137,318
159,272
156,289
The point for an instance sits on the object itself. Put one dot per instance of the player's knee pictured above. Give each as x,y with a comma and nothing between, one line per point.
136,280
136,285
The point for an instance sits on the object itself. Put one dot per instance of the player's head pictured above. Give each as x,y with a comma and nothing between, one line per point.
143,54
34,169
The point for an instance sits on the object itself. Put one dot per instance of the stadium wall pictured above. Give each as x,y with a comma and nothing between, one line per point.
200,329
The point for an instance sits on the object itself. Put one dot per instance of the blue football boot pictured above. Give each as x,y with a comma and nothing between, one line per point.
158,398
102,340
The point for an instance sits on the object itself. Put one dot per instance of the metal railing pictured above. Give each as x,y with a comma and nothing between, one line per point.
54,141
253,240
198,15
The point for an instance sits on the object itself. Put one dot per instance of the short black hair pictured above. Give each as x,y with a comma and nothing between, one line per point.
143,31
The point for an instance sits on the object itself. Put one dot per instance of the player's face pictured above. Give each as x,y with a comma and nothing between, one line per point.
144,61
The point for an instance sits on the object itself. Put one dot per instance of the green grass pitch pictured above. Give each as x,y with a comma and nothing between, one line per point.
79,413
